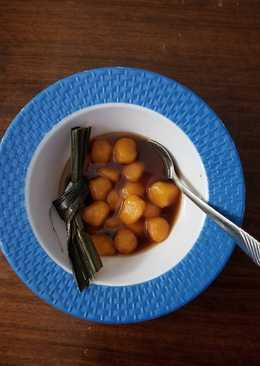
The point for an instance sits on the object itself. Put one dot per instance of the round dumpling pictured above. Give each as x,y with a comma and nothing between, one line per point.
125,241
131,188
114,200
104,244
96,213
134,171
132,209
101,151
113,222
110,173
125,151
157,228
99,188
163,194
138,227
151,210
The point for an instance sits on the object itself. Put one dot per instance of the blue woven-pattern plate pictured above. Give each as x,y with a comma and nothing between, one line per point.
168,292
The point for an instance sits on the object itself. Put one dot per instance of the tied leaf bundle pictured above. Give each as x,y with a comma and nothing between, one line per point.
82,252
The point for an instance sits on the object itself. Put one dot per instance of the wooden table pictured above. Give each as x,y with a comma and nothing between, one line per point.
211,46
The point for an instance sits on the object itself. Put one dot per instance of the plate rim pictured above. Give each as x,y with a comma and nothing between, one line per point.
152,76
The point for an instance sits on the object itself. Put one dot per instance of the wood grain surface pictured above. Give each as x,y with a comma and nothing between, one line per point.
212,47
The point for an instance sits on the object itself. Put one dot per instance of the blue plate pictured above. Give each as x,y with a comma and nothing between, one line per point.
168,292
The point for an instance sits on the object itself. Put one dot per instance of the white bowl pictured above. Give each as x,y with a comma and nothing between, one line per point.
45,171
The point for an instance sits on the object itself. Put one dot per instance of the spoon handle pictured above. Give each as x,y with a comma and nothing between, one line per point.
246,242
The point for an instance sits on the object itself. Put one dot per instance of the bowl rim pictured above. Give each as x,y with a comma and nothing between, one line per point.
142,266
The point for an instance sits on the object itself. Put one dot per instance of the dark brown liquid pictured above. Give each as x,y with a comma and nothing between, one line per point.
154,170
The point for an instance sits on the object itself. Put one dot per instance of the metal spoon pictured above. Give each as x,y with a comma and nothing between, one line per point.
246,242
